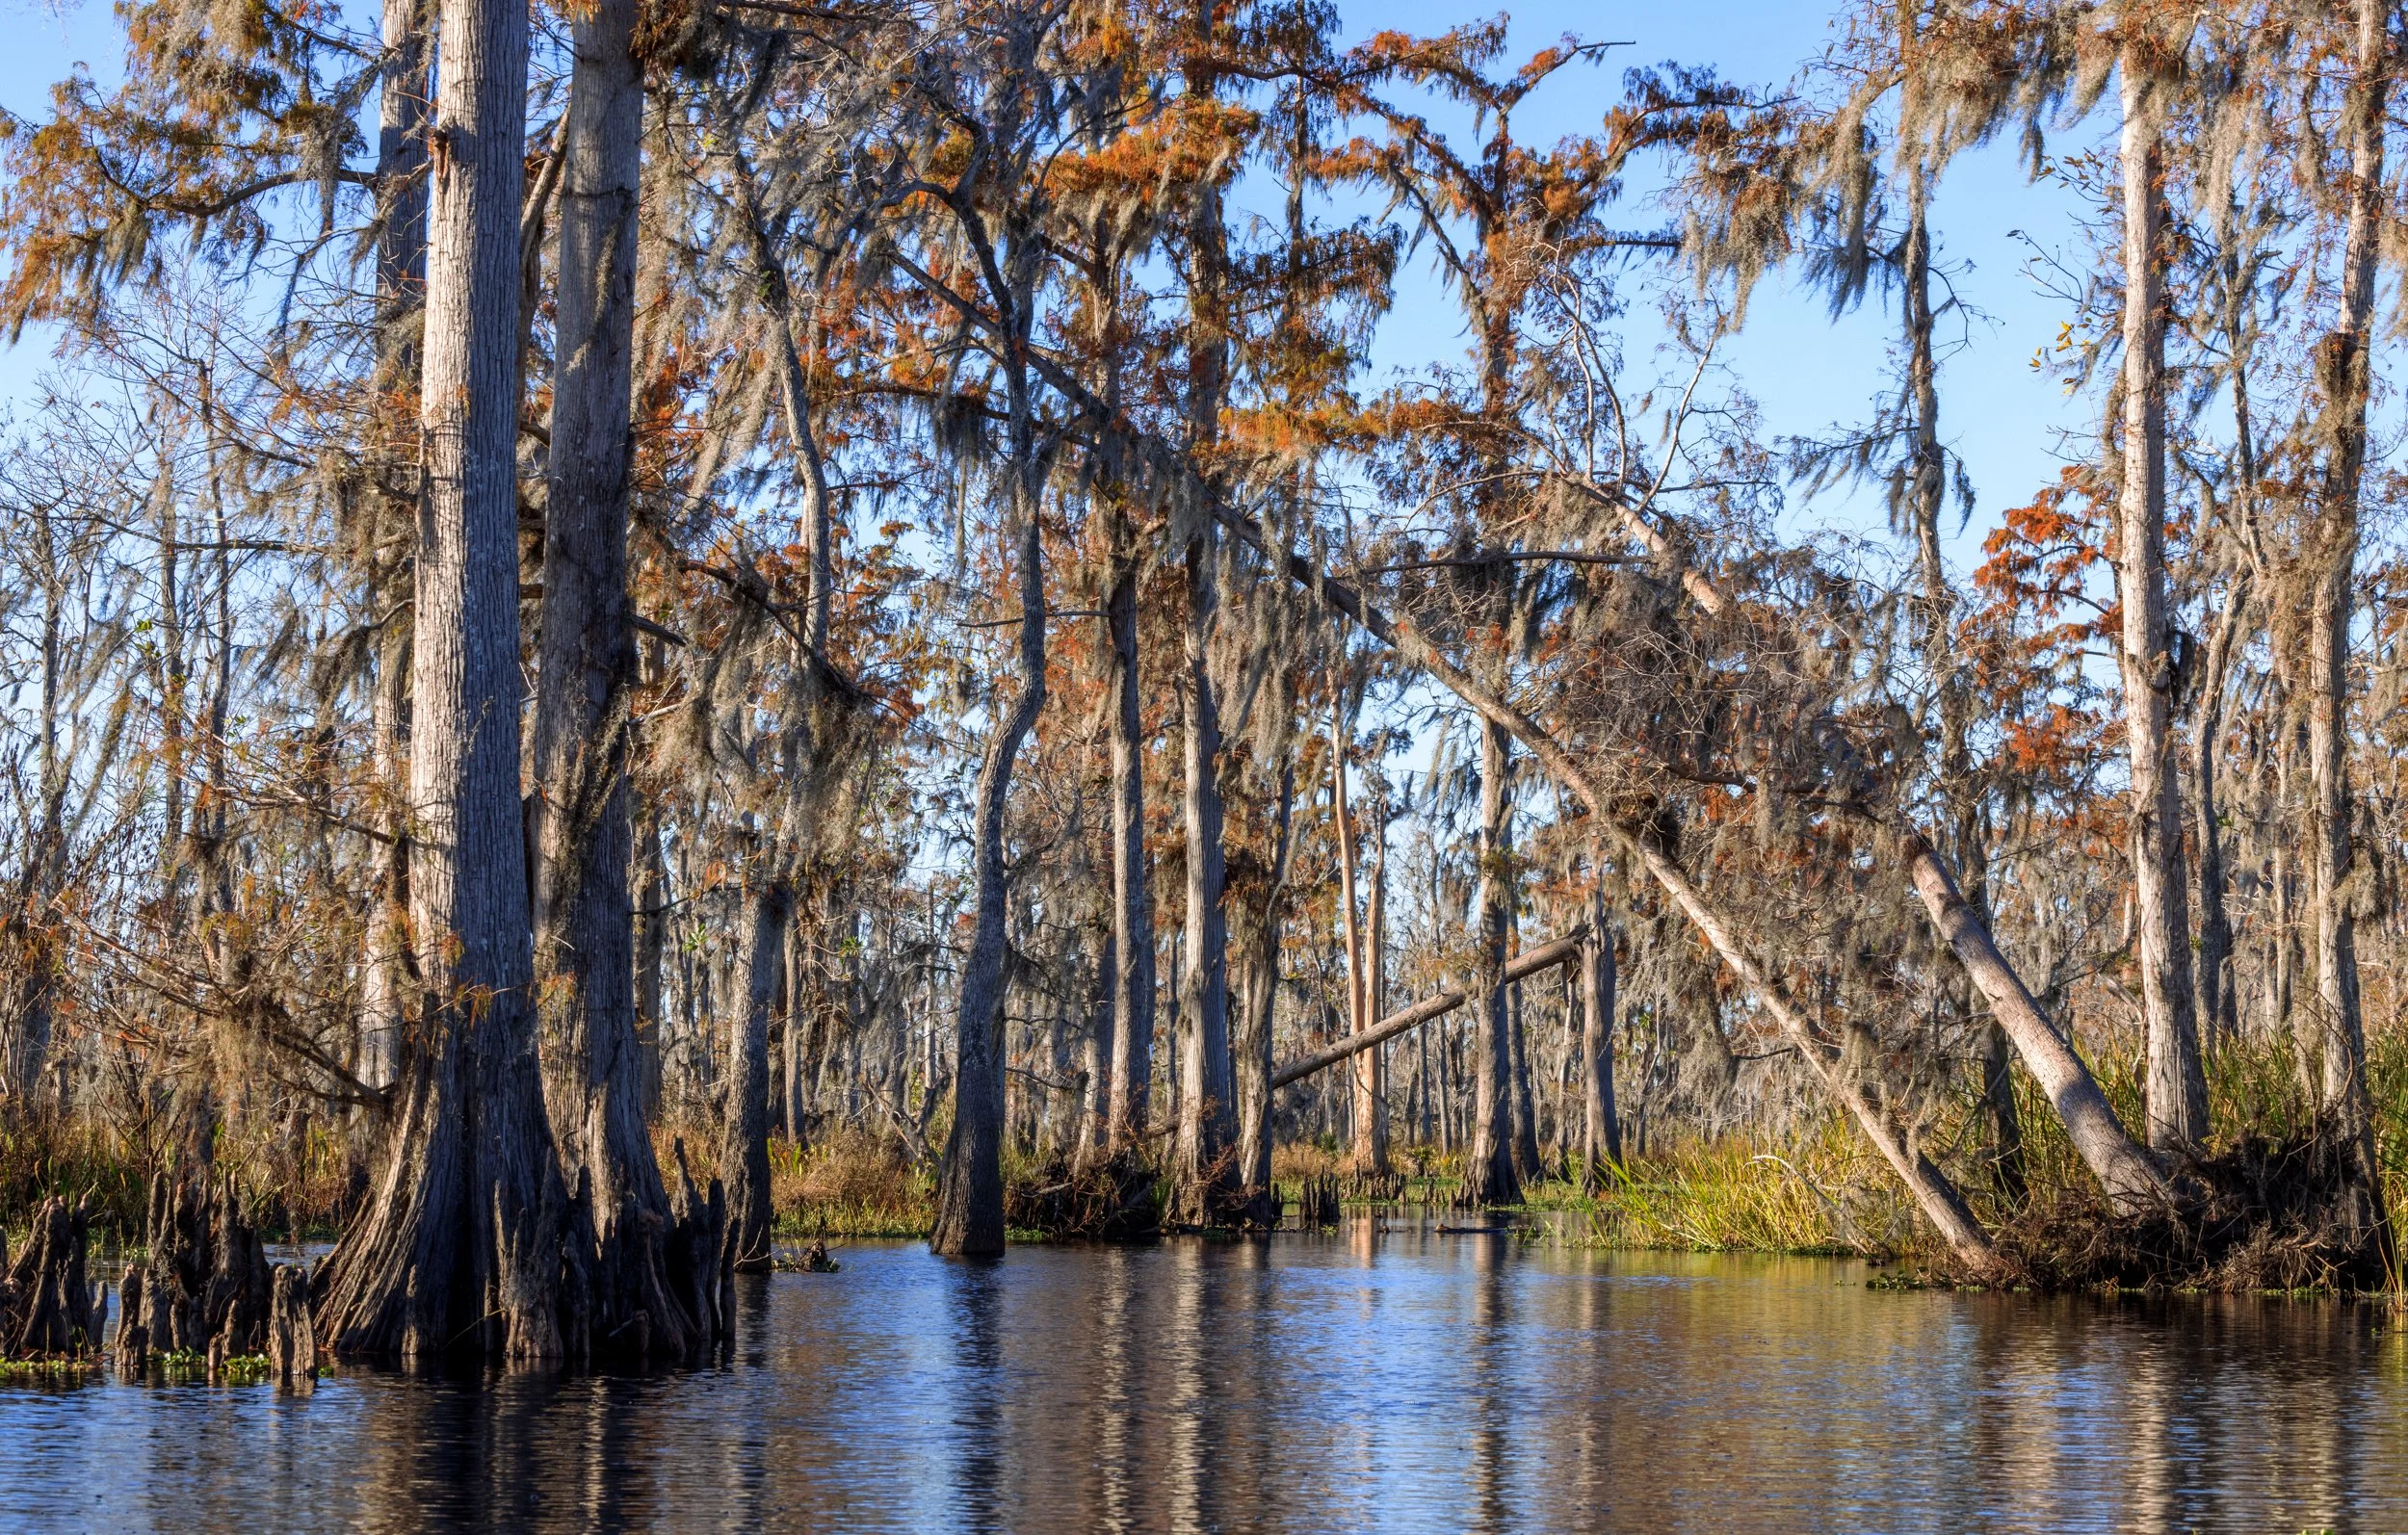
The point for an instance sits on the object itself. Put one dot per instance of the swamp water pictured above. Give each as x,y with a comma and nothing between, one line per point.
1366,1379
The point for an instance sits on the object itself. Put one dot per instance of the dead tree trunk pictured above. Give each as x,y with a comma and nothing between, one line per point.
292,1346
462,1247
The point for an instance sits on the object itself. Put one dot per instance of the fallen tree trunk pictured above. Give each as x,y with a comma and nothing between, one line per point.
2132,1179
1938,1198
1547,956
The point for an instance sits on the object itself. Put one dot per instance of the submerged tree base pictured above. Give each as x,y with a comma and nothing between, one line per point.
1110,1200
2287,1215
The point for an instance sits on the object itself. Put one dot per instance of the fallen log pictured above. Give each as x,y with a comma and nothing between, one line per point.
1546,956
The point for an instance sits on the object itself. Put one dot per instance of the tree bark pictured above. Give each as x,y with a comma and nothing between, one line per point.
1367,1121
745,1140
461,1247
1133,901
401,277
586,670
1601,1128
1207,1108
2177,1088
970,1193
1490,1176
2347,385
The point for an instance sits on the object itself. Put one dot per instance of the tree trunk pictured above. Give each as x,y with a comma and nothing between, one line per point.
796,1000
1207,1110
1095,1110
1601,1129
2347,385
2218,982
2219,1005
1132,902
970,1193
1373,1078
586,670
744,1138
1368,1123
2177,1092
1959,794
652,923
400,274
1489,1176
462,1247
1258,931
1526,1164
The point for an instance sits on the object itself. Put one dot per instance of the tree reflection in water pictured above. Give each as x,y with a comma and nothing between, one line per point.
1366,1379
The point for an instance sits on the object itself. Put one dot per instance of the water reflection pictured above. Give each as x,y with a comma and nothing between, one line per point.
1377,1378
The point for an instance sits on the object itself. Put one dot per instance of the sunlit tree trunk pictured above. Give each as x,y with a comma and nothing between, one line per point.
462,1244
1489,1176
2177,1089
586,670
970,1193
1207,1125
401,275
2348,386
1372,1083
1367,1121
1133,903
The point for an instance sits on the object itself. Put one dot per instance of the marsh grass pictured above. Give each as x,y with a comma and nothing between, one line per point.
1815,1188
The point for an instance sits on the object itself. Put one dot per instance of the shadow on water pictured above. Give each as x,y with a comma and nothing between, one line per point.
1380,1376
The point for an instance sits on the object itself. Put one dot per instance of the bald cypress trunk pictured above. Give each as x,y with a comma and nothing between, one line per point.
586,666
970,1193
1489,1175
461,1247
745,1140
2177,1088
401,272
1133,903
2348,386
1207,1124
1601,1126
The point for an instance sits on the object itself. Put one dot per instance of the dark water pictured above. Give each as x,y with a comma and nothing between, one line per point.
1367,1380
